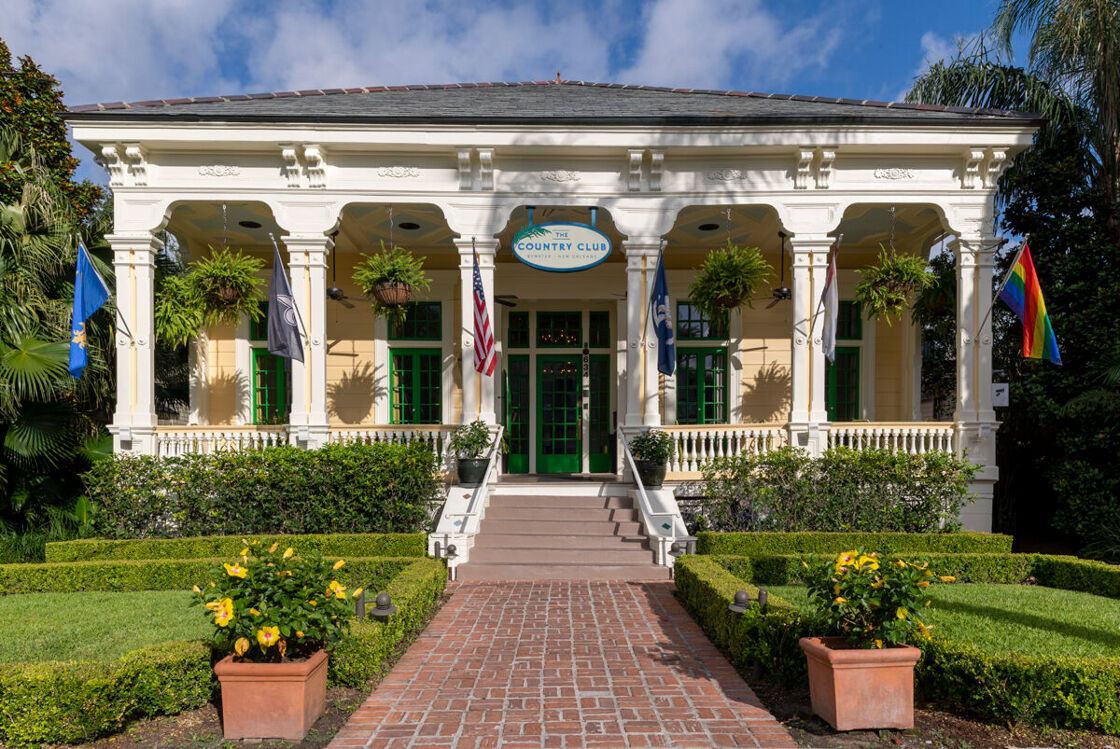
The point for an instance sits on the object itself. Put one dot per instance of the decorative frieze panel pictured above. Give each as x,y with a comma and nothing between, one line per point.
724,175
559,175
894,173
398,172
219,170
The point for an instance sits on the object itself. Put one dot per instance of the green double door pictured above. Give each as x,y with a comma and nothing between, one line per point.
556,420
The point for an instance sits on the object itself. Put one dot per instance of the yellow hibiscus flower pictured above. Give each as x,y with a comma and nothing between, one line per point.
299,634
339,563
223,615
868,562
900,612
948,579
268,636
357,592
245,552
241,646
879,644
272,549
336,589
923,628
839,599
288,552
234,570
282,646
196,589
254,612
923,583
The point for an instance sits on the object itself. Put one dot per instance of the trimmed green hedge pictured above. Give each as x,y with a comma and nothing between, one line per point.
160,574
1080,693
365,653
786,569
378,488
211,547
750,544
75,702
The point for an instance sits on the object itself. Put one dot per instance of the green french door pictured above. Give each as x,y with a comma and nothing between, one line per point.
559,439
518,408
599,414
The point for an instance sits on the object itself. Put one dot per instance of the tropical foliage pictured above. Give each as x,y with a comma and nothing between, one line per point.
728,278
1056,444
220,288
272,605
873,603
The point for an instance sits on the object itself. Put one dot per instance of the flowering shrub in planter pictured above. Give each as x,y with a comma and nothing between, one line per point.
865,678
275,614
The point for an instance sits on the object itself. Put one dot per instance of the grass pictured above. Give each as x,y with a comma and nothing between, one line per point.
1028,620
95,626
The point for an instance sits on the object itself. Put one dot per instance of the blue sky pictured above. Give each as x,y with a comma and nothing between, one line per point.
112,50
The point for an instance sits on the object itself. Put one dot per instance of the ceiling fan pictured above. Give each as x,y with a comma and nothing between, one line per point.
506,300
782,293
333,291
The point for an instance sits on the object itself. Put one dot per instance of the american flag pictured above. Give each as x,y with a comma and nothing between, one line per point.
483,335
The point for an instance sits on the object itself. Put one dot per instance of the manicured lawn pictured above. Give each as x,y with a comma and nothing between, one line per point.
95,626
1029,620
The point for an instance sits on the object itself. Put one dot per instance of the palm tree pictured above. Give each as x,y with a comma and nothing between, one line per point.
1072,78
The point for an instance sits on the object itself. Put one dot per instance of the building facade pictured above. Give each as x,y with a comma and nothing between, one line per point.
455,172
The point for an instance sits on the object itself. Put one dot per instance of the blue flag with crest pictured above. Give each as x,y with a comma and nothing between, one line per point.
90,292
663,321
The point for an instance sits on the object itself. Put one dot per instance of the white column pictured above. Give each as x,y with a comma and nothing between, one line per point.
307,263
975,418
641,385
134,420
808,408
478,389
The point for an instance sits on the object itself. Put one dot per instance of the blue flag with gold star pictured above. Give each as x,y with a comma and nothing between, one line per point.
90,292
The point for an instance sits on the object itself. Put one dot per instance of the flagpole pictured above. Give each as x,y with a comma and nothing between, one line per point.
1006,278
820,300
295,307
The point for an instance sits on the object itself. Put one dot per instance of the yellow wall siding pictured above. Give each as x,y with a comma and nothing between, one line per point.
224,386
765,352
352,367
890,369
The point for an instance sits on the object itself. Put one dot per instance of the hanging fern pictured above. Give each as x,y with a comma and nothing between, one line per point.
390,265
728,278
890,285
178,312
216,289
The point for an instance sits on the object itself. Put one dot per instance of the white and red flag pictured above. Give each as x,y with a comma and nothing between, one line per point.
830,300
483,334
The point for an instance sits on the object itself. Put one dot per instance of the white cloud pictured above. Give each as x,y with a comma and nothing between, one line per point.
935,49
710,43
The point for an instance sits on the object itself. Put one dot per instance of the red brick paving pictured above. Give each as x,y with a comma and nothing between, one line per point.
562,664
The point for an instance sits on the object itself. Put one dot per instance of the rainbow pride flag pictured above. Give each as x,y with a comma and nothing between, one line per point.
1023,295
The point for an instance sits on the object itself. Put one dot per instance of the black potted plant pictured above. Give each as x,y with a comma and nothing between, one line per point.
469,443
652,450
727,279
389,277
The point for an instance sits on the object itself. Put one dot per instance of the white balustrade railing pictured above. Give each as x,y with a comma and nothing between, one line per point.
914,438
174,441
435,436
697,445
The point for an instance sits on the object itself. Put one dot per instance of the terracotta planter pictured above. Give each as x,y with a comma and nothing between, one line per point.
392,294
272,700
855,689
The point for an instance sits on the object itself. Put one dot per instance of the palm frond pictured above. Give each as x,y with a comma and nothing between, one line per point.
31,370
43,435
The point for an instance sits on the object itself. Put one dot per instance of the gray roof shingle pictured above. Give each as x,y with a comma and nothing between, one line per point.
542,102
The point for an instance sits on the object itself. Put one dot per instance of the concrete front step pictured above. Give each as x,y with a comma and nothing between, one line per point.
552,555
570,541
533,515
590,503
561,527
490,571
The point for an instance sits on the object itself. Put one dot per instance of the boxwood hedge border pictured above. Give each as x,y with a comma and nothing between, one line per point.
751,544
53,702
1071,692
344,545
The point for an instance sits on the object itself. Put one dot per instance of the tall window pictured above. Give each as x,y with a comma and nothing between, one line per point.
694,325
415,386
701,385
842,376
422,322
271,394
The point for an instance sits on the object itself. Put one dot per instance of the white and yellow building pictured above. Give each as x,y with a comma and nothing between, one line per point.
444,170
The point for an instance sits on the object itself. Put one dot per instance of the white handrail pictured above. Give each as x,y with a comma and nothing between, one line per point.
664,541
460,527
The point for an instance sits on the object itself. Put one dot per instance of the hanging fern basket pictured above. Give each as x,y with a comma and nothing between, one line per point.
392,293
728,279
891,284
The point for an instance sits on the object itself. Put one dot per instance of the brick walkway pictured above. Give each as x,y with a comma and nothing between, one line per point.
562,664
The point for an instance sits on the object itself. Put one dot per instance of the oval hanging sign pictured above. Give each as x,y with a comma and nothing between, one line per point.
561,247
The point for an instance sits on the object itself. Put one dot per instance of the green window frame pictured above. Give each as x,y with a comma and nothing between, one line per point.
517,333
258,329
694,325
271,388
559,329
702,385
415,386
599,329
843,385
849,322
423,321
